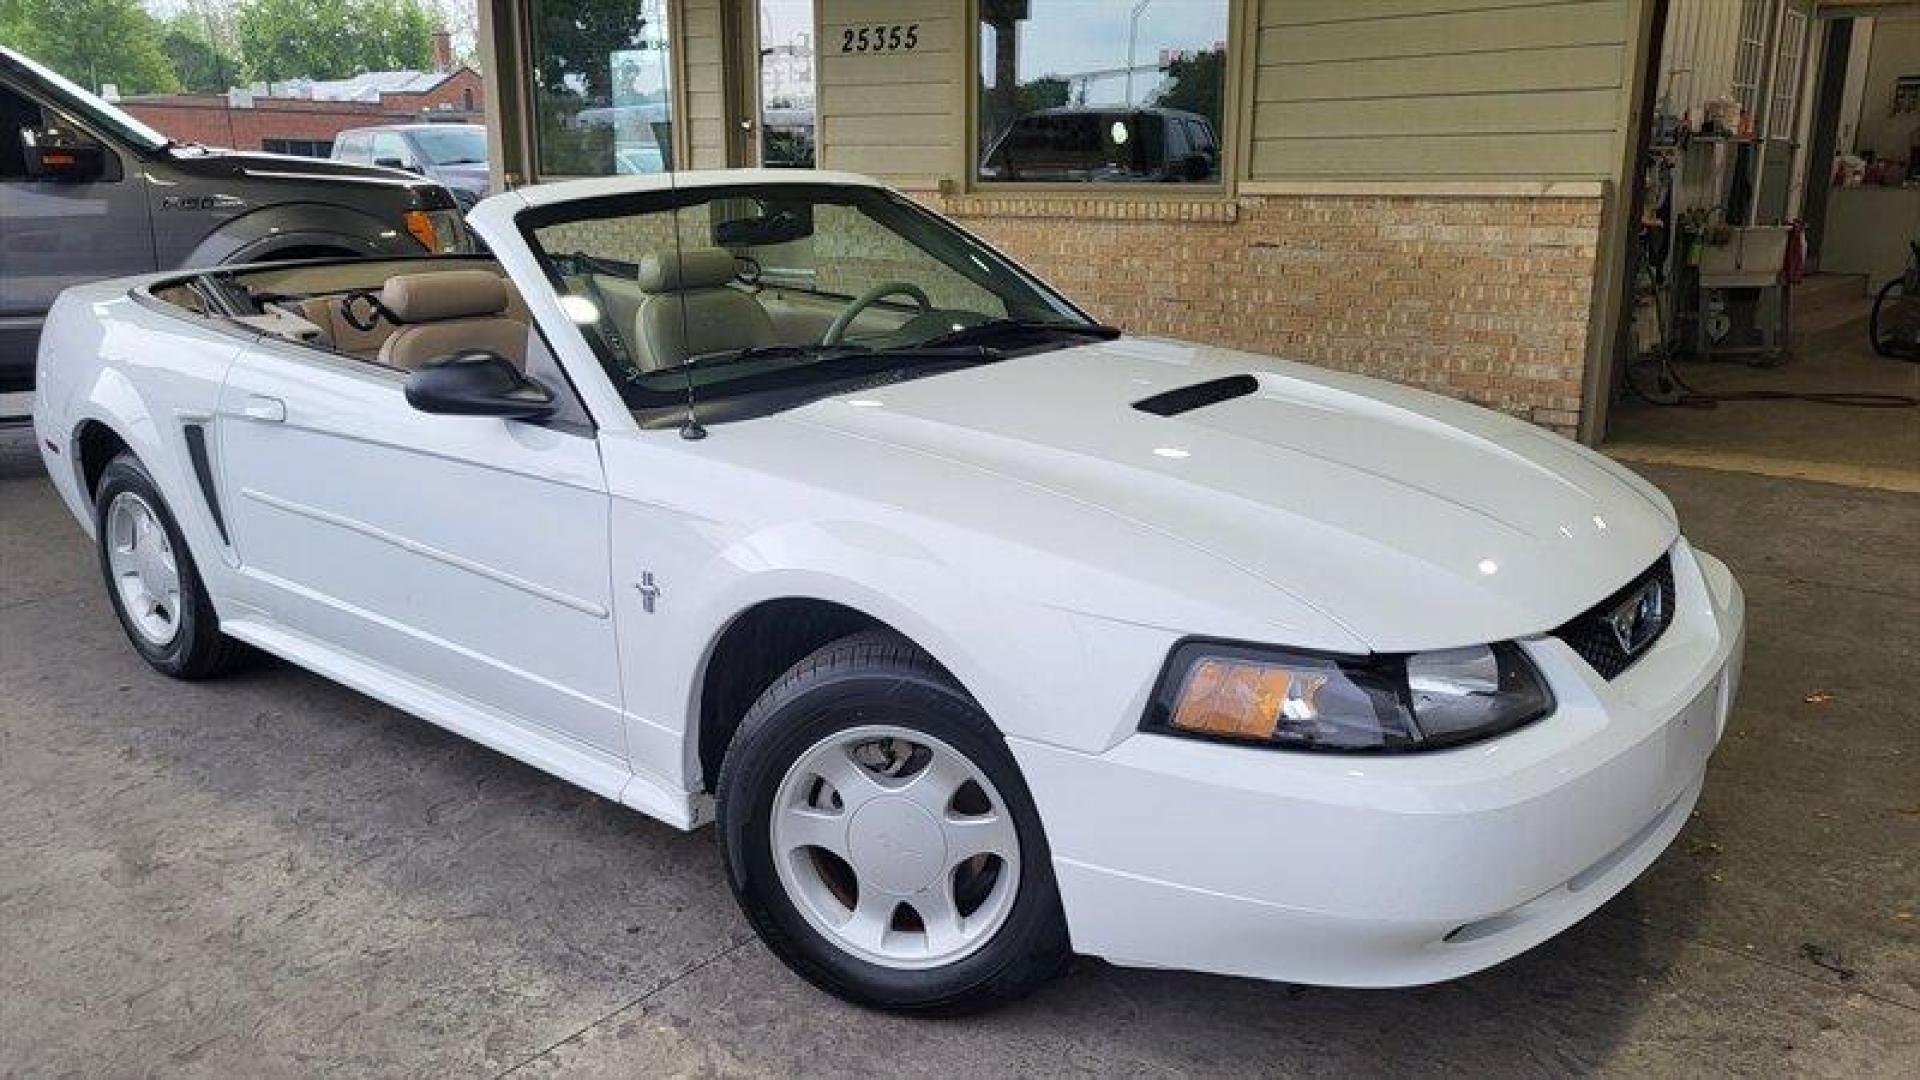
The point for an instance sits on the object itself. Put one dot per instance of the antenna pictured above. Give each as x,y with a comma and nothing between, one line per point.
691,430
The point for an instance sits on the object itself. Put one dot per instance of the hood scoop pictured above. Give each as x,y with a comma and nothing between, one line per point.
1198,396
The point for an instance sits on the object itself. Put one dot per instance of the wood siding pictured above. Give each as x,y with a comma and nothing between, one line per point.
1439,89
705,90
900,117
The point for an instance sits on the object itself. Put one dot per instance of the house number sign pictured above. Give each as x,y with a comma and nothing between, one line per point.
885,38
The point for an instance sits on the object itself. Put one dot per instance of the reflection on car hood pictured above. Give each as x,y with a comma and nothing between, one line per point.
212,162
1411,520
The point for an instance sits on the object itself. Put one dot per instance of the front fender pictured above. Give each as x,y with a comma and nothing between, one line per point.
1041,671
258,235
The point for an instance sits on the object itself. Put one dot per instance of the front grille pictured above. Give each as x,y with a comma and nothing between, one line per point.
1589,634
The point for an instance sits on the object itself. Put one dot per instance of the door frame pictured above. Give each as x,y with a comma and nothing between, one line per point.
1609,308
740,80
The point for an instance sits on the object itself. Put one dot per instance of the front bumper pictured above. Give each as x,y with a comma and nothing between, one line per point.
1349,870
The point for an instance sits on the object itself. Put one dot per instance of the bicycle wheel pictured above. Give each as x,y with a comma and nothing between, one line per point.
1894,327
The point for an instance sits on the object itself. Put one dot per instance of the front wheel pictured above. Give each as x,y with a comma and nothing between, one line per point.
881,840
1894,327
151,579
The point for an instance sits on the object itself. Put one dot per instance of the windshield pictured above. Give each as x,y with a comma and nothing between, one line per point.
784,292
92,108
452,145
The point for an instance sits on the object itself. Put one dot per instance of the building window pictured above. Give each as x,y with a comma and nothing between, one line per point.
602,87
1101,91
1750,54
466,99
1906,95
1786,89
316,148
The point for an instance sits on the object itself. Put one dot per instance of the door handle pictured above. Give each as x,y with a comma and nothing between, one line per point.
270,409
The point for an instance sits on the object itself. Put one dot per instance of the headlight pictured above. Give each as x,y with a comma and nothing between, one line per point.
441,232
1309,701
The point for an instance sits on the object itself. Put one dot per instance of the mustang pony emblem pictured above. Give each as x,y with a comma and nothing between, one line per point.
1637,620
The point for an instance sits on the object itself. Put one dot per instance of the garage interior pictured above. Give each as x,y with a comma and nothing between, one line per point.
1811,153
276,876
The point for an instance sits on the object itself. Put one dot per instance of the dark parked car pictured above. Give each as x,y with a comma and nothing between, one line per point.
1109,144
453,154
88,192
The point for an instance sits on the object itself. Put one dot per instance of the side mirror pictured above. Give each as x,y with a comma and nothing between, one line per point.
477,384
389,162
62,155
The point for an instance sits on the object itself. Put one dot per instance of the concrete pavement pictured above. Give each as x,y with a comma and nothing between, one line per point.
270,875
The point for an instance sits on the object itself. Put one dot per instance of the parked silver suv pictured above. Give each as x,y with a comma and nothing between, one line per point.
453,154
88,192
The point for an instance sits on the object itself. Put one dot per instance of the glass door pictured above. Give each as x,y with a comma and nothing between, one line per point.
786,84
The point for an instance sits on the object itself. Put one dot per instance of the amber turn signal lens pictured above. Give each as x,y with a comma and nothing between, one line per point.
1235,699
421,226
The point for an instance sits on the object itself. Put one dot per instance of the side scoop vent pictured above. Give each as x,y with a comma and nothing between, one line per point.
1198,396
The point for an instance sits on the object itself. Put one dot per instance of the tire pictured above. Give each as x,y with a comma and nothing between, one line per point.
180,635
1008,934
1883,323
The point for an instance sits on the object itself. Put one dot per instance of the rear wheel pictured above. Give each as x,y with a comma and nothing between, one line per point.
880,838
151,579
1895,324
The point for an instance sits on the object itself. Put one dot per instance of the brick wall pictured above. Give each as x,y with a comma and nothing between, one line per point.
205,118
1476,297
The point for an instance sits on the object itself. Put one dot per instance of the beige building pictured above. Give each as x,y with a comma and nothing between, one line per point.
1438,192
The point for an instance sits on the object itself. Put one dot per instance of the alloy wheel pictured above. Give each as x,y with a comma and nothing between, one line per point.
895,846
145,572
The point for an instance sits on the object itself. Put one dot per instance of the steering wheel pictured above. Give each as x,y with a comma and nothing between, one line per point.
843,321
747,269
375,311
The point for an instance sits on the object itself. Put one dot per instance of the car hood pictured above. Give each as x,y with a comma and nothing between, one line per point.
212,162
1409,520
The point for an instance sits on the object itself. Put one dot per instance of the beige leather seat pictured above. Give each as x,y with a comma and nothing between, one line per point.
338,334
689,309
449,312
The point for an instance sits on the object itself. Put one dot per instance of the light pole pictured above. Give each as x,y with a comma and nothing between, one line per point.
1133,34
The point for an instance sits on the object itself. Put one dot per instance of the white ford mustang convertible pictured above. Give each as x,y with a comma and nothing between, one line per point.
987,633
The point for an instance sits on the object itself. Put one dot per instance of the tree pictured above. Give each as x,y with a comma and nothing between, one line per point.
92,42
1196,83
1045,92
573,41
332,39
199,63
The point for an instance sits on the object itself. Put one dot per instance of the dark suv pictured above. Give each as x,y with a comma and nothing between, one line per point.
88,192
1107,144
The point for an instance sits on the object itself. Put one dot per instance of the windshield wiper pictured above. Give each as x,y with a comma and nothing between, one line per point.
817,353
1011,327
770,352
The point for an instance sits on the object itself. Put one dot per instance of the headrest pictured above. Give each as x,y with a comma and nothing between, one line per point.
446,294
694,268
